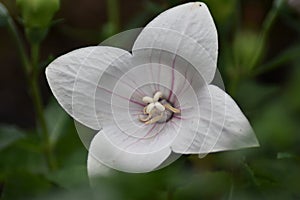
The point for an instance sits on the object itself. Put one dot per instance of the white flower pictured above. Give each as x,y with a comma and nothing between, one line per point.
154,101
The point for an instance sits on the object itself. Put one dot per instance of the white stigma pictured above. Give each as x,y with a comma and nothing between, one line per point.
147,99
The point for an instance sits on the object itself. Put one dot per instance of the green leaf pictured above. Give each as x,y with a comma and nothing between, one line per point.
285,155
277,178
70,176
206,185
21,184
9,135
154,185
284,57
276,128
25,154
262,94
56,119
76,194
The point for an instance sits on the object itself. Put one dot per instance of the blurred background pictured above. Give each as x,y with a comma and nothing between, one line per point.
41,155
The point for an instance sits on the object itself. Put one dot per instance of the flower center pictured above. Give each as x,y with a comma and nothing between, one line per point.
158,109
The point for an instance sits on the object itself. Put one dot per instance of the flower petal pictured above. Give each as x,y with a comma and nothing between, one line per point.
187,30
73,80
192,129
225,127
109,154
84,93
61,75
85,134
236,132
95,168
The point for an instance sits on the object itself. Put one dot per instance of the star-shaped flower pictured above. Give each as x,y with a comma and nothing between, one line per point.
154,101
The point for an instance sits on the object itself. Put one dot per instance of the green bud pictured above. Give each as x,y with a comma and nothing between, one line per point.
38,13
37,16
3,15
36,35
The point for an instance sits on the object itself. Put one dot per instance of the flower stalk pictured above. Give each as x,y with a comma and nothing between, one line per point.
24,58
113,16
30,68
38,105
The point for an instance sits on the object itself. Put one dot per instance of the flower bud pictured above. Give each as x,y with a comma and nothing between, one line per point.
38,13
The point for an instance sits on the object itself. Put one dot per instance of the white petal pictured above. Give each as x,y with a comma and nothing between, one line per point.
61,75
138,138
225,127
85,134
73,80
237,132
109,154
95,168
187,30
86,84
192,131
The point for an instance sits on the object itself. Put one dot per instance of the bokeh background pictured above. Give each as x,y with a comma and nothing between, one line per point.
259,59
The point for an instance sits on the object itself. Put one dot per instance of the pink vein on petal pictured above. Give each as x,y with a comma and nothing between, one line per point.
159,71
173,78
151,129
183,85
130,100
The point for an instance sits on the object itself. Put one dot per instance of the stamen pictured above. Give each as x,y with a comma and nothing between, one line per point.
145,119
155,110
157,96
150,107
171,108
155,119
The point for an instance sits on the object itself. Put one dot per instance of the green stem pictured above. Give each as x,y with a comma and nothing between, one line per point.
284,57
266,28
19,43
38,105
35,52
113,10
230,195
31,71
251,175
